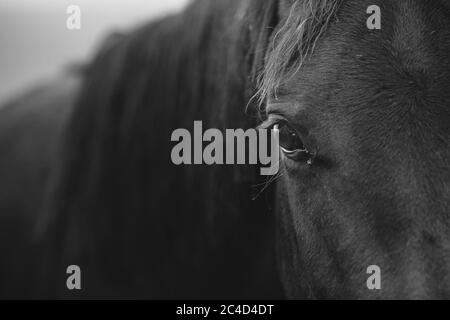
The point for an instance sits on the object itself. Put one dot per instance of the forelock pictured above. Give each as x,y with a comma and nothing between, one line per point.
293,42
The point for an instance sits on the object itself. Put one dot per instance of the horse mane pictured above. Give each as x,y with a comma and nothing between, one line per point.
116,192
294,41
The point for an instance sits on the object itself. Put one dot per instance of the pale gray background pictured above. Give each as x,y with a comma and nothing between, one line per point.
35,43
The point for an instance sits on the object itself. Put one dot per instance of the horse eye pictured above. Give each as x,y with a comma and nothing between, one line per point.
289,139
290,143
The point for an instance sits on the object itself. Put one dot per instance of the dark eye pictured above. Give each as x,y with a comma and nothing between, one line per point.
290,143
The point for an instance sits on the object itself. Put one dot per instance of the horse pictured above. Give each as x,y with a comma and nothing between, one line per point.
364,146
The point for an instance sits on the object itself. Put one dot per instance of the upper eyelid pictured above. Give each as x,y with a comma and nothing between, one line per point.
272,120
286,109
277,116
278,107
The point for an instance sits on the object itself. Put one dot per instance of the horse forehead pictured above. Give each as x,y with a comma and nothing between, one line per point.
404,62
420,32
410,52
407,26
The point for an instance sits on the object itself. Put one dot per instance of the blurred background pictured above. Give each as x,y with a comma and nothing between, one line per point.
35,43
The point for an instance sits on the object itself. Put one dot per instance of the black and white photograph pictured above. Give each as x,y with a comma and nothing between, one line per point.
245,152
